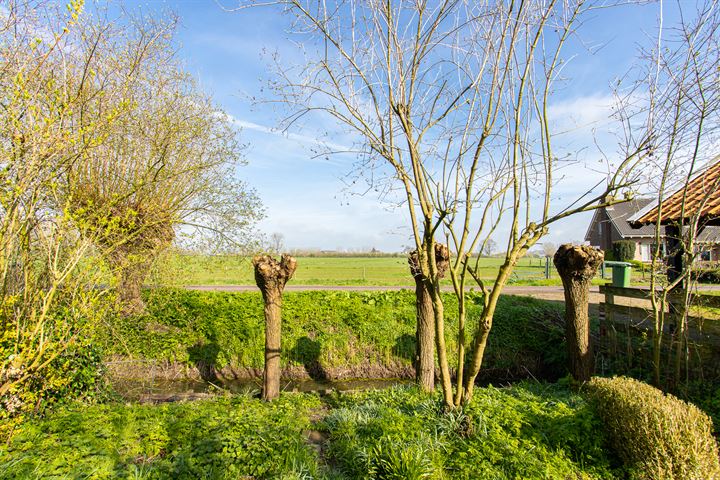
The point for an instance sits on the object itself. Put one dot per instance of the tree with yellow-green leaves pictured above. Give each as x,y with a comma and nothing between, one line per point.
104,142
165,169
50,121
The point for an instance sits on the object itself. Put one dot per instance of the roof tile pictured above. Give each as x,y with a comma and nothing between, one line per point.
700,196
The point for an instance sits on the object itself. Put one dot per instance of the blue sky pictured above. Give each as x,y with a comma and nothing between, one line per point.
304,197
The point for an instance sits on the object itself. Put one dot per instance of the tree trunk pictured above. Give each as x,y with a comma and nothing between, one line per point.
132,259
425,327
425,337
130,284
677,311
577,266
130,273
271,276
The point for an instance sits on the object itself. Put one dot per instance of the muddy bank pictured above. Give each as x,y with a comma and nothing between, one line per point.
152,381
162,374
122,368
164,391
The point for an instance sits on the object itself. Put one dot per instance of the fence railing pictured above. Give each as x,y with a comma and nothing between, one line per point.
608,307
626,331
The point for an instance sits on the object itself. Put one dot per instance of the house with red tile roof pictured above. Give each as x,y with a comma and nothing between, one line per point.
613,223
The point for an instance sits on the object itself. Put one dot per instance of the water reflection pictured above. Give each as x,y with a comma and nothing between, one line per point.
163,390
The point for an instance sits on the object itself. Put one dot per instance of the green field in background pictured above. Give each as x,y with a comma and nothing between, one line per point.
178,269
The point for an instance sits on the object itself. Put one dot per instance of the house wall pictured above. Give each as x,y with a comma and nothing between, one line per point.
603,233
714,252
612,237
643,250
609,235
593,234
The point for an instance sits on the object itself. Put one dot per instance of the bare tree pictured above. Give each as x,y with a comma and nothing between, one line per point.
549,249
277,242
453,97
490,246
675,101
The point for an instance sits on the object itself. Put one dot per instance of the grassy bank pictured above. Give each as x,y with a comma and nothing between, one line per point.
324,330
527,431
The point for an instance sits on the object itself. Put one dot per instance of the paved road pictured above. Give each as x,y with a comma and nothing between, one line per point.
546,293
511,289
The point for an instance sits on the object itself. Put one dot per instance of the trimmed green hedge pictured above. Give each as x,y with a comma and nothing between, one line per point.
708,276
657,435
623,250
332,328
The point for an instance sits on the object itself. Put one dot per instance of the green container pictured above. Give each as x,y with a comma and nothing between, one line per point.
621,272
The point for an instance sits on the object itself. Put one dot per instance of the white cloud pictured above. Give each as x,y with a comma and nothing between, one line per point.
305,197
305,139
582,112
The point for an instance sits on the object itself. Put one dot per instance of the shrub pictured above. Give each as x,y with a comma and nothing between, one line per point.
708,276
658,436
624,250
637,264
75,373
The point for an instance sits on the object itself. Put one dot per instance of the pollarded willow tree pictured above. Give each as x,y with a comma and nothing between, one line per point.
425,318
167,168
577,265
454,97
271,276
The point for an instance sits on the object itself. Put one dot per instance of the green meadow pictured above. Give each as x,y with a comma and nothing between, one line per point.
179,269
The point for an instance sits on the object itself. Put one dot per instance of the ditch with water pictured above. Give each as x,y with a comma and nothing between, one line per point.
169,390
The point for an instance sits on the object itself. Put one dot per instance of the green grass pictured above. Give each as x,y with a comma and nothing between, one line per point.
375,271
227,438
332,329
180,270
529,431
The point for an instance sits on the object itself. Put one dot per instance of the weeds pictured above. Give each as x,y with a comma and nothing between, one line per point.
326,330
529,431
